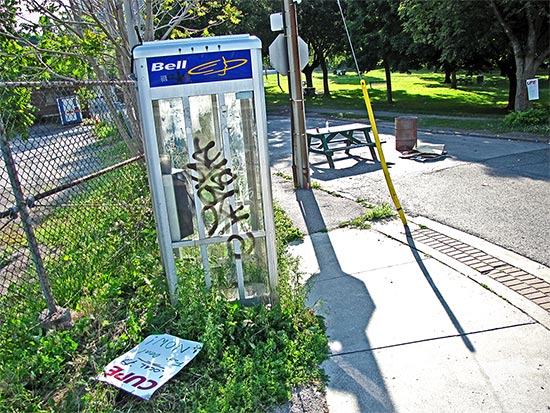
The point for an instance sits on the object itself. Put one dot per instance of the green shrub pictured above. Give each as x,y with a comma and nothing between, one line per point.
529,117
112,280
286,231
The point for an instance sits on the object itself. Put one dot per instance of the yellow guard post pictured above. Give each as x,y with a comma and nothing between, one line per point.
381,154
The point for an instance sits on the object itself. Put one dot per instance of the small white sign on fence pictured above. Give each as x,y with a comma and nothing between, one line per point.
533,89
145,368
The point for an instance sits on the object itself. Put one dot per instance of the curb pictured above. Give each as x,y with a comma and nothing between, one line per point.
396,231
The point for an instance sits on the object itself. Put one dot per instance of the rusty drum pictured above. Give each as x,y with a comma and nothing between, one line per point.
405,133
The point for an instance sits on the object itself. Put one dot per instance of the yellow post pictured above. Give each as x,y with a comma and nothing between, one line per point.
381,154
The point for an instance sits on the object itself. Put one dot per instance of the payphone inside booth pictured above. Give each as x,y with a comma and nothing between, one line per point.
205,137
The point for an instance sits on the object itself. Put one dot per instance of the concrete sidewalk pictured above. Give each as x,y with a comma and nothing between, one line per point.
411,332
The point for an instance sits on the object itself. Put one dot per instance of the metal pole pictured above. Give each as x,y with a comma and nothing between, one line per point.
26,220
300,163
130,24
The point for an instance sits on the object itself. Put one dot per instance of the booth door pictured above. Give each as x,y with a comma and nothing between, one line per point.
210,162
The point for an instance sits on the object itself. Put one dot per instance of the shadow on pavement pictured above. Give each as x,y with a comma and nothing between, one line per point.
348,307
437,293
320,169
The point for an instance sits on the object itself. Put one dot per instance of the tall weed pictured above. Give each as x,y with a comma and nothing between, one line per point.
109,275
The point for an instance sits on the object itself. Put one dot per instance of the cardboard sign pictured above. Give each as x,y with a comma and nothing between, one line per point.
533,89
146,367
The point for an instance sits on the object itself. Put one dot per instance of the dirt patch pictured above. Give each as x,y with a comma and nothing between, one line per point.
306,399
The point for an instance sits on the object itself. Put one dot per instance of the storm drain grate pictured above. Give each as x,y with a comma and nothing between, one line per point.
528,285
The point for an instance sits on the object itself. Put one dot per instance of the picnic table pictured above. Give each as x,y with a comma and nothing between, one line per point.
331,139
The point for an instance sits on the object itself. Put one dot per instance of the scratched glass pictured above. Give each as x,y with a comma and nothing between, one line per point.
170,125
174,156
225,169
245,163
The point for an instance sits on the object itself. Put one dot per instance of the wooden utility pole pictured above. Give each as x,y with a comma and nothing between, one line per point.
300,163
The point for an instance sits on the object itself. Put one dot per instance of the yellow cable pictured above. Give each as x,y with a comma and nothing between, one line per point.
381,154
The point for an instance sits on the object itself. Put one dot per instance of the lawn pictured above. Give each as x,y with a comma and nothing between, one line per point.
421,92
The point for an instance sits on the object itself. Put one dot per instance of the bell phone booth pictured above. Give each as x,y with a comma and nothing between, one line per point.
205,137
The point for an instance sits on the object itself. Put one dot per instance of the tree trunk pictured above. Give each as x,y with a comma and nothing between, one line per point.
324,68
524,71
525,53
508,69
308,72
447,69
389,97
512,87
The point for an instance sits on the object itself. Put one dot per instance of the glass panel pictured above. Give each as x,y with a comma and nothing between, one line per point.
170,125
174,156
223,262
225,164
245,164
217,166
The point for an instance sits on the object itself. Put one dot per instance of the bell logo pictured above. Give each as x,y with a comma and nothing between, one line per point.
160,66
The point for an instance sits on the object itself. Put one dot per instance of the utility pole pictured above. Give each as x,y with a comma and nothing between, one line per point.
300,163
130,25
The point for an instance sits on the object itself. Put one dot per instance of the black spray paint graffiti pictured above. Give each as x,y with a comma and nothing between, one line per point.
214,178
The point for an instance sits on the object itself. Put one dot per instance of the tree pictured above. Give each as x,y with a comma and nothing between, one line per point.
254,19
526,24
320,25
468,36
378,28
88,39
16,116
462,32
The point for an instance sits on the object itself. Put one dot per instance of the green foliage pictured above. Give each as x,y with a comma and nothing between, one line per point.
373,213
529,117
66,54
252,356
109,274
286,231
6,256
17,110
105,131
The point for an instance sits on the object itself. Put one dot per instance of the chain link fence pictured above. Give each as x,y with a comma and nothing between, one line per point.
58,140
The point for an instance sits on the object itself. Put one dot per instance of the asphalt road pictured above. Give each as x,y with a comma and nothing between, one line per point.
496,189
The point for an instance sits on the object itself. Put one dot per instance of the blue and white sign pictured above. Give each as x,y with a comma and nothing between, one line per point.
69,110
145,368
199,68
533,89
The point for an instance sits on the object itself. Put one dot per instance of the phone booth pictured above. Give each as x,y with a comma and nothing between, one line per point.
205,137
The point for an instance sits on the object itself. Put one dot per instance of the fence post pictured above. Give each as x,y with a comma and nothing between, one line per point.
55,315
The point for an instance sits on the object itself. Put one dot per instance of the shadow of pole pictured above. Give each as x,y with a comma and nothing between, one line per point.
355,376
445,305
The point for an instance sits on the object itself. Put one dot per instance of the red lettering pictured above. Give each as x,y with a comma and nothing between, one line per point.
153,384
114,370
139,382
140,379
122,376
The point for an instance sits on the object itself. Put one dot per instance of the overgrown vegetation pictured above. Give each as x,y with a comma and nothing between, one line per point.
111,278
530,118
373,213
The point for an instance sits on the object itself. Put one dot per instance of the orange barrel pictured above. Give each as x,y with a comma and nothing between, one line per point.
405,133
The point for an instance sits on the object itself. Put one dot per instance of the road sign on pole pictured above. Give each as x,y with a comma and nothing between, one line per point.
278,54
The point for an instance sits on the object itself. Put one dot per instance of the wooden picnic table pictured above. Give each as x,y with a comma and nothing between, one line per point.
331,139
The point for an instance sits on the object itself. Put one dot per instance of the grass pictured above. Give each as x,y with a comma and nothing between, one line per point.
420,92
108,273
372,214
